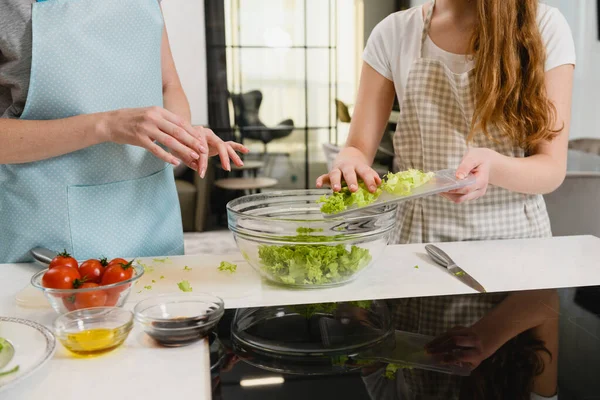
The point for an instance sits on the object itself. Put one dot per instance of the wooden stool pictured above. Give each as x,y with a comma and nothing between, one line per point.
249,166
246,184
241,186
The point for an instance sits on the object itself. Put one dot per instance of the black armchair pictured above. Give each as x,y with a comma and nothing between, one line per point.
246,107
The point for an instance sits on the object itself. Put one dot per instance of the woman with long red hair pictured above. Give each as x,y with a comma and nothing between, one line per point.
485,88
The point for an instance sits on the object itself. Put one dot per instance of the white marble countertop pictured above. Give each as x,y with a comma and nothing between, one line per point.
142,370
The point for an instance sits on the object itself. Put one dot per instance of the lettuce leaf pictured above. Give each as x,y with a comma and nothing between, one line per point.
340,201
402,183
185,286
228,267
399,184
305,264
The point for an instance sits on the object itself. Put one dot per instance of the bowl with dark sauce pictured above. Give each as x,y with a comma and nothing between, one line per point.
179,319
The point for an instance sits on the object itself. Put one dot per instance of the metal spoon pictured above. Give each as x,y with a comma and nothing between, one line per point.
42,256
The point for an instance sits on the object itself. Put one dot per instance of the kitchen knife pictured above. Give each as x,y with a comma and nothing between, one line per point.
445,261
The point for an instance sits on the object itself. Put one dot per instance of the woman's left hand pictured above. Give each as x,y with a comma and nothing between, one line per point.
216,146
477,161
459,346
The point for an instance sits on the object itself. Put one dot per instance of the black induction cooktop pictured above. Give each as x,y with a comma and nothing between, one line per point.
324,351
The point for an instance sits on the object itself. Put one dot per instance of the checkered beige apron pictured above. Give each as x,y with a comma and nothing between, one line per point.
431,134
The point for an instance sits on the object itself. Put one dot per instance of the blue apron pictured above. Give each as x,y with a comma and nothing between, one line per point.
106,200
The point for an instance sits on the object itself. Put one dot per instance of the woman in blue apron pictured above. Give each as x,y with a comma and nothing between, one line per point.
484,88
93,120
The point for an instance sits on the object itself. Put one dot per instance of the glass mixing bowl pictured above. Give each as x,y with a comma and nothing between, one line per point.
284,236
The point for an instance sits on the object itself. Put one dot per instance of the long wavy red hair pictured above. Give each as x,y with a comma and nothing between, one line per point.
509,74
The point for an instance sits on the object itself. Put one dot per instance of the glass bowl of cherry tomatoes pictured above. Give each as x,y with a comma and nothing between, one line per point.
70,286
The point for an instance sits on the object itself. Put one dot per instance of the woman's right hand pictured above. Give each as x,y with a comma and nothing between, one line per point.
350,165
143,126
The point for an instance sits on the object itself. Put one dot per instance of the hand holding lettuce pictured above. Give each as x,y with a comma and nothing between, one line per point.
398,184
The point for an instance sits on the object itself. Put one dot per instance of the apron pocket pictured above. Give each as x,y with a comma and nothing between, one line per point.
133,218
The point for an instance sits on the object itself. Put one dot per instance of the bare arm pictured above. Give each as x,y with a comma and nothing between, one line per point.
371,114
26,141
175,99
545,169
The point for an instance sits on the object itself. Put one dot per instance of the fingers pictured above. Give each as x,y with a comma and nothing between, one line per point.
233,155
369,177
468,164
323,180
159,152
177,149
335,180
442,338
350,177
203,164
184,131
451,343
224,156
239,147
469,356
460,198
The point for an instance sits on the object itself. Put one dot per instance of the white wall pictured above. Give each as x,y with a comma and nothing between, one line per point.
185,25
581,15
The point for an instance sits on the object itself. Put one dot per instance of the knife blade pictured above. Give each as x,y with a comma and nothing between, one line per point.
441,258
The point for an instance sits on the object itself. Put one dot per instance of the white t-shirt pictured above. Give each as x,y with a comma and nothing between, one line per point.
395,44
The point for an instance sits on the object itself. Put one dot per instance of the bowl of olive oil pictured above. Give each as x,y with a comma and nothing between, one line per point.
93,331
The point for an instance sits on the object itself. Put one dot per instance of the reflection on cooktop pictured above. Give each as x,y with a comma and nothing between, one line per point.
409,349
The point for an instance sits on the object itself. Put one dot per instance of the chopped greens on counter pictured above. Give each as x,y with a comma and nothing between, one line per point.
162,260
312,264
399,184
416,267
162,277
147,268
148,287
186,268
184,286
227,267
153,281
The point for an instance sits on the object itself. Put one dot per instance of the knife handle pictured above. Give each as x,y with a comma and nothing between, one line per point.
42,256
439,256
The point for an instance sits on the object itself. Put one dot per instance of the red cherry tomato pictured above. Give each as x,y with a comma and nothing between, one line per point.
117,261
118,273
65,259
92,270
60,277
113,296
95,298
69,302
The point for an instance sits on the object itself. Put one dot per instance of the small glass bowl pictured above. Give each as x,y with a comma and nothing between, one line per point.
180,319
64,300
93,331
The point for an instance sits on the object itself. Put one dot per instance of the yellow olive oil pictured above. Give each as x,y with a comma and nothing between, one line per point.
93,342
